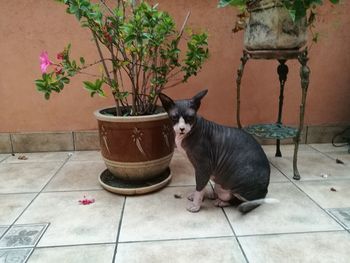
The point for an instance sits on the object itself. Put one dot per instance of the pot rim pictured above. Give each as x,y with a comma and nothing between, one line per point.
144,118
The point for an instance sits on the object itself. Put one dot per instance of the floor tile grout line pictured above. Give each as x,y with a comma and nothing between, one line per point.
53,191
309,197
75,245
175,239
293,233
232,229
42,234
119,229
337,219
235,236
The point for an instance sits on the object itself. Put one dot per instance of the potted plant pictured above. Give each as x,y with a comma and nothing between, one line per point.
275,24
138,47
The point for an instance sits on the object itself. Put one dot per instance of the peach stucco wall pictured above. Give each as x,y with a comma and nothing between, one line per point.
29,26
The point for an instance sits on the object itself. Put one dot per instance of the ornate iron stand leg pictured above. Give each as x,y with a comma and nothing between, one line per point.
282,71
240,70
304,75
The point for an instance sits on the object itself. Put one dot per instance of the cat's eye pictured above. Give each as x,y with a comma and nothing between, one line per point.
174,118
189,119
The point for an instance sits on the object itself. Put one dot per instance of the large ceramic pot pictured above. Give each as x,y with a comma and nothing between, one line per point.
270,26
135,148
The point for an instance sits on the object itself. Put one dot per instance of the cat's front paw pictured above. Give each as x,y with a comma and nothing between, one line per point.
191,196
193,208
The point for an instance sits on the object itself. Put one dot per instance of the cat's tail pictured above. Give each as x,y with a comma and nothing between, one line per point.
250,205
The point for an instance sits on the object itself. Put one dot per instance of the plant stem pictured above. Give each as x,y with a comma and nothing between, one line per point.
118,111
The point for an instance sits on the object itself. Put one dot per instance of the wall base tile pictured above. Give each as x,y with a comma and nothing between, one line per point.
89,140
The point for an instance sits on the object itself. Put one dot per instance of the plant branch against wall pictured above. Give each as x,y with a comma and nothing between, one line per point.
138,48
297,9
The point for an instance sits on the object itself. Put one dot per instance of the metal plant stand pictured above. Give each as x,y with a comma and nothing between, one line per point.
278,131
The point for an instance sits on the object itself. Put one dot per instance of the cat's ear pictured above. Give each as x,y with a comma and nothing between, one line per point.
167,102
196,100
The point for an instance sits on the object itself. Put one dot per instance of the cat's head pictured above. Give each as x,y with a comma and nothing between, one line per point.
182,113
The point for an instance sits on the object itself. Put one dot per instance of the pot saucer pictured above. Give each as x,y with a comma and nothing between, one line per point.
118,186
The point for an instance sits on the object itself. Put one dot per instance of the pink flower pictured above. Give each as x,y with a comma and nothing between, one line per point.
86,201
44,61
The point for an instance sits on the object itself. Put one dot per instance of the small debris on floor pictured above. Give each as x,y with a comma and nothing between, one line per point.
339,161
22,157
323,175
178,196
86,201
333,189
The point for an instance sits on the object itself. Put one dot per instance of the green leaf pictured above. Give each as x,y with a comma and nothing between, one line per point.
82,60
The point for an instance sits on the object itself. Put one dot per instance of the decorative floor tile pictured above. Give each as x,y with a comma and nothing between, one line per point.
22,236
26,177
294,213
325,247
12,205
77,176
222,250
328,193
342,214
73,223
18,255
74,254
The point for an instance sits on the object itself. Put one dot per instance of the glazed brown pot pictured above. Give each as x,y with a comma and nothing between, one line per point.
270,26
137,147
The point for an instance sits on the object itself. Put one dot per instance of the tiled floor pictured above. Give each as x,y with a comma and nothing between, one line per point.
41,219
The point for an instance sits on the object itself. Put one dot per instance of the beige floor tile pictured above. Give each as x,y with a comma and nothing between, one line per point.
74,254
73,223
320,192
86,156
182,171
39,157
295,213
312,165
162,216
26,177
12,205
77,176
181,251
277,176
327,247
